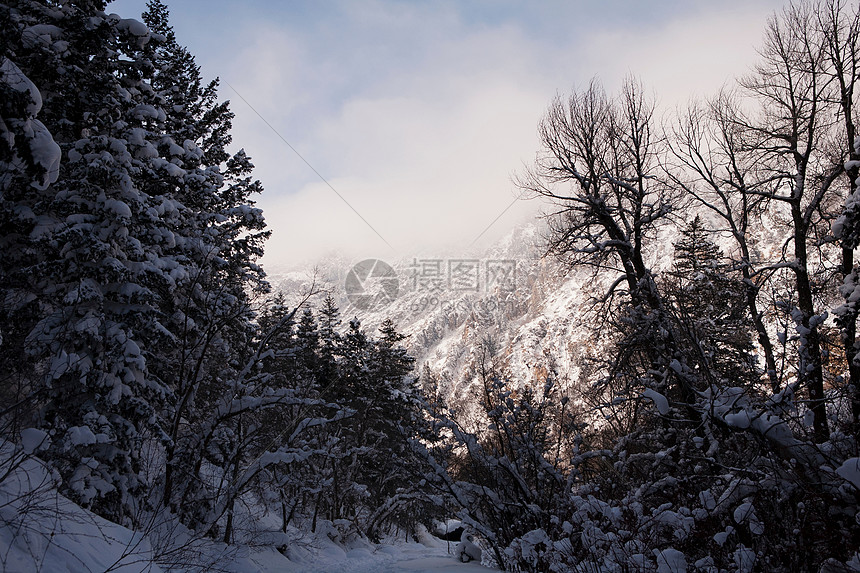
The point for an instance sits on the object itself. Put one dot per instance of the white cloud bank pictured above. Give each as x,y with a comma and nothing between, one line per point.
418,113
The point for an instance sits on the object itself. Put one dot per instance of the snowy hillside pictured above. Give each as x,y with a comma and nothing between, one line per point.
447,316
43,531
533,322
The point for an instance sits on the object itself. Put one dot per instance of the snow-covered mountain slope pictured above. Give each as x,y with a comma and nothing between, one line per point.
506,302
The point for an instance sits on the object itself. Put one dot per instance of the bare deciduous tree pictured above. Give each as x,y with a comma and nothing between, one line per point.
599,167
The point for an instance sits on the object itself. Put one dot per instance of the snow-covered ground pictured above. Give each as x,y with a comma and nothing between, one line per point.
404,557
42,531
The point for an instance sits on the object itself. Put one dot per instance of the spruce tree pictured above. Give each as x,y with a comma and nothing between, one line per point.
395,419
307,345
709,304
88,285
130,270
217,243
329,348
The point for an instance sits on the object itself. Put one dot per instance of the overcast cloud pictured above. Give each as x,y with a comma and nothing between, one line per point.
418,113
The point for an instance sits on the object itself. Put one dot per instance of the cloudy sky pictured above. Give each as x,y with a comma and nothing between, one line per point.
418,113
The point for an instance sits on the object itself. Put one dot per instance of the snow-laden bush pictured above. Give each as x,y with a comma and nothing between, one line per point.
710,494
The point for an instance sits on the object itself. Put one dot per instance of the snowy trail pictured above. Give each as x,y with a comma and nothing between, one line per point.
401,558
413,558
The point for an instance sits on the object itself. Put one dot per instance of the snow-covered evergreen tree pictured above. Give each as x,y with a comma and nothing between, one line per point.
392,419
209,312
93,248
710,308
133,258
